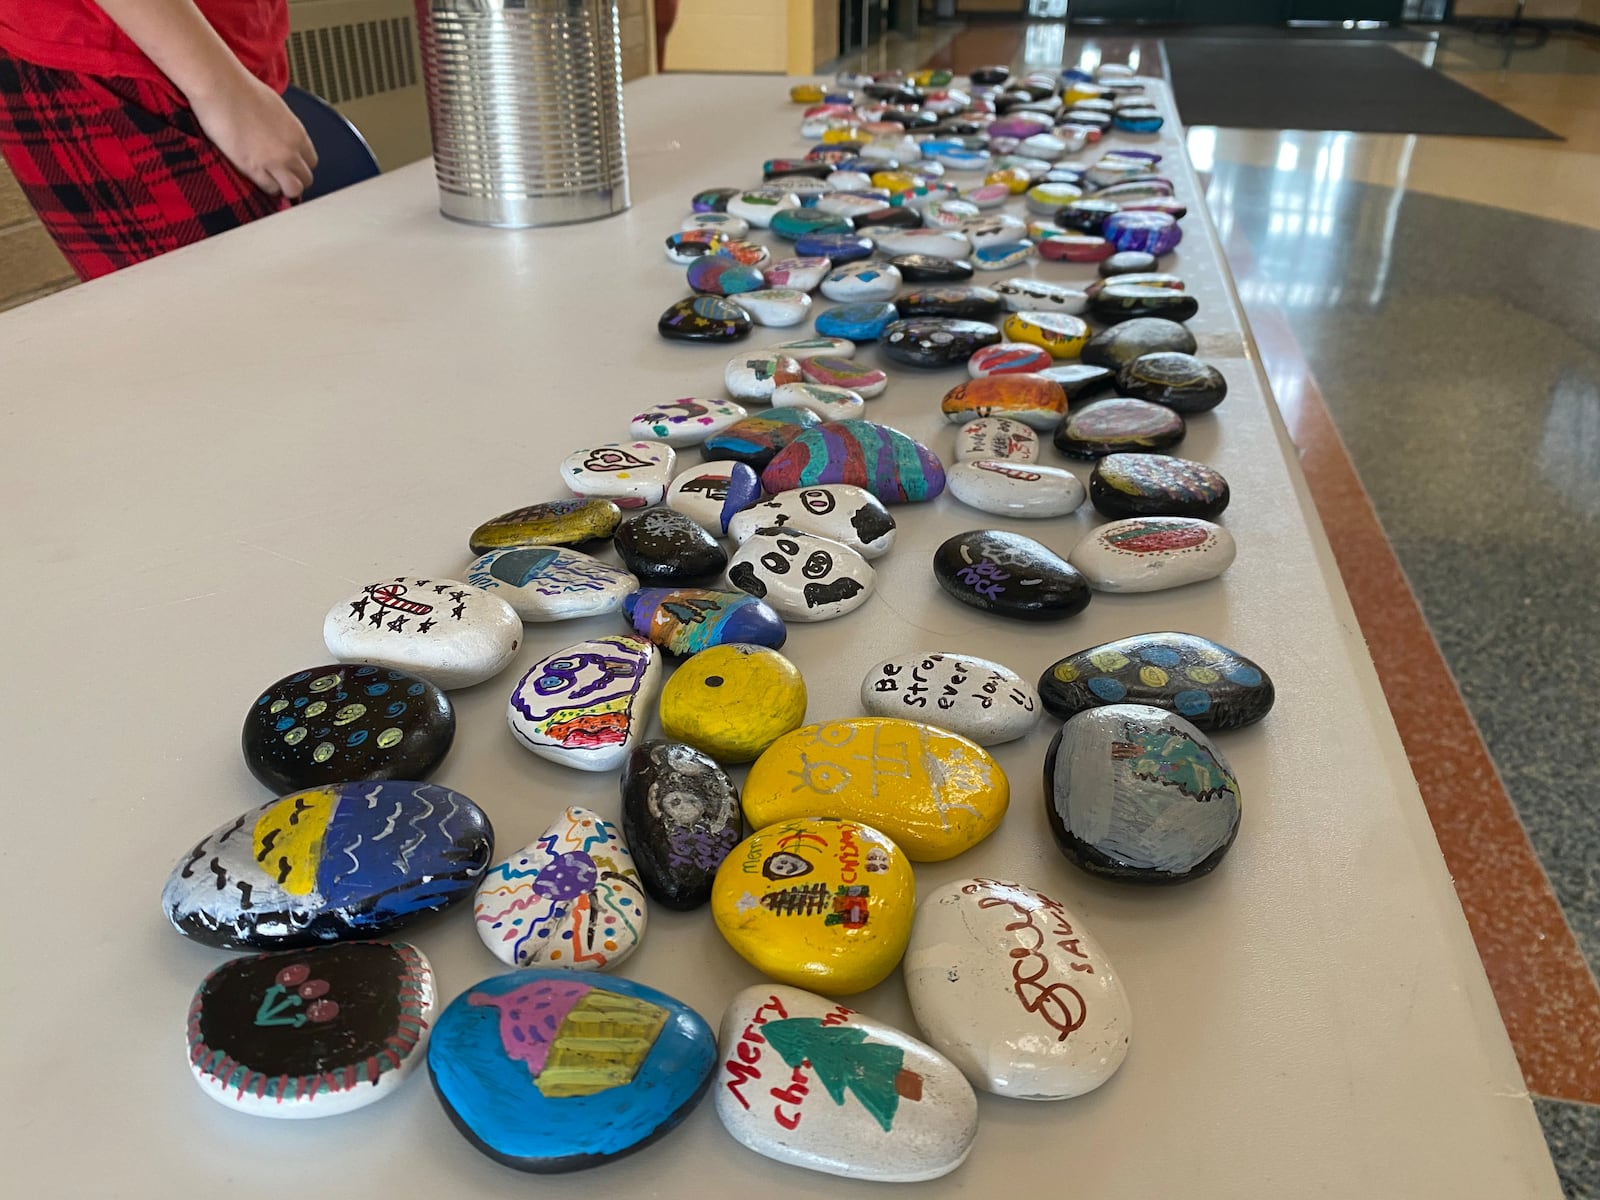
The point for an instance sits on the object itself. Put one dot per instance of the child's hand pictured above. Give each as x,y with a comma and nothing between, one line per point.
257,133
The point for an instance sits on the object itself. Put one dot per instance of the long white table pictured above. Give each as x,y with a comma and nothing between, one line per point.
202,454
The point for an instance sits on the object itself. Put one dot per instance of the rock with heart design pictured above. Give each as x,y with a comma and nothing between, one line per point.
311,1033
817,902
547,1071
338,723
711,493
551,583
934,792
1151,554
451,633
686,422
554,523
680,814
570,898
1000,439
806,1081
335,863
1009,575
756,440
1009,985
1139,794
733,701
587,705
666,547
1031,399
978,699
1011,489
803,576
841,512
630,474
686,620
895,468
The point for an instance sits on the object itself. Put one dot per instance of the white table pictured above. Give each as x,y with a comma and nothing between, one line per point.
201,454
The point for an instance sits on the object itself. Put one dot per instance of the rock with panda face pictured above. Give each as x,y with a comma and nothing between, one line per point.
803,576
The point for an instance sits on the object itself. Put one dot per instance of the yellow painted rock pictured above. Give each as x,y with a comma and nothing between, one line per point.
819,903
894,181
1016,179
845,132
806,93
1060,333
935,793
1037,402
733,701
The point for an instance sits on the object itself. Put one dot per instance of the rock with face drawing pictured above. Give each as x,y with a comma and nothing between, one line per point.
680,815
587,706
803,576
840,512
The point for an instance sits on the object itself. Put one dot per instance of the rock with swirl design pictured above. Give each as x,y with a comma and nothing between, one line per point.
934,792
572,898
586,706
1008,985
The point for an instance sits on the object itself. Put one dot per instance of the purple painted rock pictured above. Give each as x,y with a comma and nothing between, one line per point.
723,276
1155,233
689,620
892,466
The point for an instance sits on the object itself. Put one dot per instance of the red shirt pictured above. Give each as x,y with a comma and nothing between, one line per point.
75,35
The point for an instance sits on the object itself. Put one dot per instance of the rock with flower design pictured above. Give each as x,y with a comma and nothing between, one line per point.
680,814
547,1071
571,898
311,1033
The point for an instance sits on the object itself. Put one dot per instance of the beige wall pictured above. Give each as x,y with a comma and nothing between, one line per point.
30,264
775,36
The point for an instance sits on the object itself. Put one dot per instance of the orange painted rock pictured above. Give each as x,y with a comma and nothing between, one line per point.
1031,399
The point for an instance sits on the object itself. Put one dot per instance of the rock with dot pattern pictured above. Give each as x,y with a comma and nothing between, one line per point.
1211,686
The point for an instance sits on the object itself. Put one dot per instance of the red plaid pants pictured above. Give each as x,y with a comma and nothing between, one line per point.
117,169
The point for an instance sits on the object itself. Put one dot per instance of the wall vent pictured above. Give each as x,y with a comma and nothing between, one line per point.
346,62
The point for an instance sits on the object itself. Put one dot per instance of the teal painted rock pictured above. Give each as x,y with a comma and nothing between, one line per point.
892,466
688,620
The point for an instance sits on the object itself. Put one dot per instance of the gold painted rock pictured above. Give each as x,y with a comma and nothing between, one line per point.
1062,334
733,701
556,523
817,902
934,792
1037,402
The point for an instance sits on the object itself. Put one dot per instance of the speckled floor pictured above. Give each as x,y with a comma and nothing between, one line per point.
1439,300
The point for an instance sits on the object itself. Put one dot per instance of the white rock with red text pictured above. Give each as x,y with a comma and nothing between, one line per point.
1007,984
808,1081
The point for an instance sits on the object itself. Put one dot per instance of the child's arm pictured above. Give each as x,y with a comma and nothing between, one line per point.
246,120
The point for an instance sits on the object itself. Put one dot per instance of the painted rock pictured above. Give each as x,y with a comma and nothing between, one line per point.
555,523
1062,334
776,308
704,319
1078,379
717,222
586,706
452,634
547,1071
666,547
796,222
1011,489
1118,426
818,902
1087,218
815,347
631,474
948,214
760,206
688,245
861,322
936,341
1139,794
733,701
1117,302
702,493
1154,233
1080,248
720,275
351,860
950,300
1143,485
1030,399
834,371
571,898
1009,575
812,1083
311,1033
803,576
1150,554
680,813
1121,344
888,217
1127,262
802,274
1008,358
996,438
1045,198
712,199
940,243
858,281
853,196
934,792
687,620
338,724
988,196
755,440
1144,279
685,422
931,268
895,468
551,583
1211,686
1011,987
837,248
1002,256
978,699
829,403
841,512
1179,381
754,376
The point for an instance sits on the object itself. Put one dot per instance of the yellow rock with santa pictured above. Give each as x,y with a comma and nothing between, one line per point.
933,792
